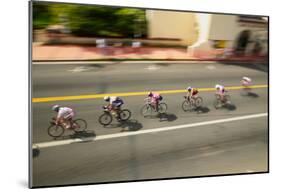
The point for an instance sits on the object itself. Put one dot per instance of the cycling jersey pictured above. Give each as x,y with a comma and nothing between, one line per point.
65,112
115,101
193,92
155,97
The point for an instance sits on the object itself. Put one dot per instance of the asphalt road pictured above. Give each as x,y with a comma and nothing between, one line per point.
223,148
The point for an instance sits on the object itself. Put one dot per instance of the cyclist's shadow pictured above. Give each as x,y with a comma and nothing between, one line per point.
230,107
252,95
201,110
130,125
80,134
166,117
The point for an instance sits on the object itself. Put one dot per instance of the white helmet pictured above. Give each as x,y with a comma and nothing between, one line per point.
106,98
189,88
55,107
246,78
217,86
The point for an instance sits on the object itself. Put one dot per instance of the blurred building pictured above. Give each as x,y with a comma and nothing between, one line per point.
172,26
201,31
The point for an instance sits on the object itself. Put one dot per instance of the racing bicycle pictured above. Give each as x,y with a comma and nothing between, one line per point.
191,103
107,116
148,108
57,130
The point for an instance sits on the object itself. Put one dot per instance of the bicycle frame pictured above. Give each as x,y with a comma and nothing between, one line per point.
112,111
62,123
149,103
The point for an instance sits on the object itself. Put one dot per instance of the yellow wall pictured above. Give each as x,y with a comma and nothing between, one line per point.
187,26
227,28
170,24
223,27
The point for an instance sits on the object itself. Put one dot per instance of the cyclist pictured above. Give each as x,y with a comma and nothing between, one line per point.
154,99
220,90
115,104
64,115
191,93
246,82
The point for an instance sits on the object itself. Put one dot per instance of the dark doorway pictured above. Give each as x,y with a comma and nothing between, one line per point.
242,42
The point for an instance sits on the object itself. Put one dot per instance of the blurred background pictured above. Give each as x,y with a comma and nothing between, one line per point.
81,35
89,32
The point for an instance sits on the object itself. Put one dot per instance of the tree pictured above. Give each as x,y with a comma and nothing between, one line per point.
91,20
42,16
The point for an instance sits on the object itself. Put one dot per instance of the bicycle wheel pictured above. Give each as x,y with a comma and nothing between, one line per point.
125,114
198,102
146,110
105,119
186,106
162,107
56,130
79,125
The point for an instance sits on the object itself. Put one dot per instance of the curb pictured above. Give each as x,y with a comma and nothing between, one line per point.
106,61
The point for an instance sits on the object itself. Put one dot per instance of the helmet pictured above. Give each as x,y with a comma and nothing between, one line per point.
55,107
246,78
189,88
106,98
217,86
150,94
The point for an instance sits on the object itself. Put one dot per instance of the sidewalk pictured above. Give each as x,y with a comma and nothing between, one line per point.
83,53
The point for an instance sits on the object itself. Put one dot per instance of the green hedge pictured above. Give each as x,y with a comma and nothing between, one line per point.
89,20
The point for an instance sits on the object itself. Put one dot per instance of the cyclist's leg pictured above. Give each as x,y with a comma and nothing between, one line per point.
118,110
153,104
114,109
70,122
157,105
68,119
63,122
193,97
221,97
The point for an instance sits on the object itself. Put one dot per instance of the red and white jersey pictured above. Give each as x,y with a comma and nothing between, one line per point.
65,112
155,97
193,91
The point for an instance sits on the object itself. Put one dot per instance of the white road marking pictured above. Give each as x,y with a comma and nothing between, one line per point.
147,131
249,171
152,67
210,67
79,69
